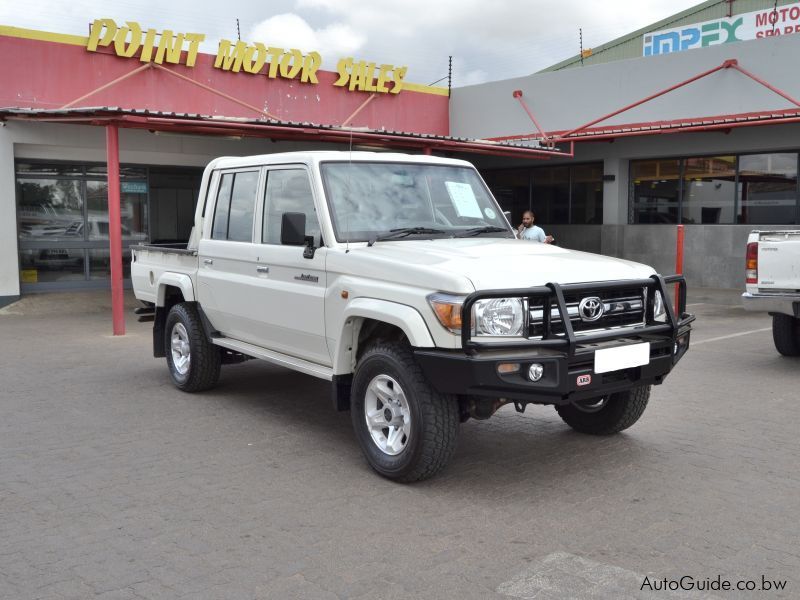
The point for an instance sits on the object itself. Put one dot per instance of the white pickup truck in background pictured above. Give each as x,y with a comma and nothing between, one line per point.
398,279
772,284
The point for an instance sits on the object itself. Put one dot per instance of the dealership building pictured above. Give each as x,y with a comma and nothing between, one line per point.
692,121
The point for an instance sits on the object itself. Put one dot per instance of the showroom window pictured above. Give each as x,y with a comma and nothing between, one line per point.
709,183
558,195
62,217
767,189
755,189
656,189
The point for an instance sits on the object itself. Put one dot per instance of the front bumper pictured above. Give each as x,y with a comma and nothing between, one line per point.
566,378
787,304
568,358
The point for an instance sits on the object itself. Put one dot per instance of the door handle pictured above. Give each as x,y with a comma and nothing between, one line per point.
262,269
208,261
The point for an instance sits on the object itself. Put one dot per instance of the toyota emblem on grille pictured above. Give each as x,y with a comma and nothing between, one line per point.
590,309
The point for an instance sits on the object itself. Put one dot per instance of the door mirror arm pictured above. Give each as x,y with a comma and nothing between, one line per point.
310,249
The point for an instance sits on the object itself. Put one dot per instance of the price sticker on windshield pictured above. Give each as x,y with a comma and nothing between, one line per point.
464,200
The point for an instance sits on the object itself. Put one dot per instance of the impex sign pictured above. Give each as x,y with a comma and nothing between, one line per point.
782,20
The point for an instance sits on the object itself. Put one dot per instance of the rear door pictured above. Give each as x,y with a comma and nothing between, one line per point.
226,252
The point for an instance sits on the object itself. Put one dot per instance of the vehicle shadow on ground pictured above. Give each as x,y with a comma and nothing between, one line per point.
509,450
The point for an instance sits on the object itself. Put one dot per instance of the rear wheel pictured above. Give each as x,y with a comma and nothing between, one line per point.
786,334
193,361
406,429
607,414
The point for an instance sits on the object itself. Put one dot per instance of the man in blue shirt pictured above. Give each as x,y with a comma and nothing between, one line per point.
528,231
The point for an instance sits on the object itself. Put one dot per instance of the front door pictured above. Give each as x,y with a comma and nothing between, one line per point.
287,288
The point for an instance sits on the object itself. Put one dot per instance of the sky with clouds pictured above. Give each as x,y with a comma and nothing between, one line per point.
488,40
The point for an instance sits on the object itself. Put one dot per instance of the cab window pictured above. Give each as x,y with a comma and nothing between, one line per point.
288,190
235,207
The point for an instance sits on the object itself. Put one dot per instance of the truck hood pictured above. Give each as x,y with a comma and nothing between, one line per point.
487,263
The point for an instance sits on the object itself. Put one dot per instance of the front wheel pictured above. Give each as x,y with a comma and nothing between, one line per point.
786,334
406,429
193,361
608,414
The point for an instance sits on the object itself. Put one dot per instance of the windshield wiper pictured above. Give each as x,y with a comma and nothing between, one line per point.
401,232
480,230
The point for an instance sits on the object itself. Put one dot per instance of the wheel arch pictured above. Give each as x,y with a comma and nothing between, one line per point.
169,282
168,296
367,319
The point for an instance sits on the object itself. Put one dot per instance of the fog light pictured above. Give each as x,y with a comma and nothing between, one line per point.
535,372
682,344
506,368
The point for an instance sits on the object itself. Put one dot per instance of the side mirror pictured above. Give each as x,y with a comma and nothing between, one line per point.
293,229
293,233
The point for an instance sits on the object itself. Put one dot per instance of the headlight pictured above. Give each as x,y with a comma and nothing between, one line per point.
499,317
659,309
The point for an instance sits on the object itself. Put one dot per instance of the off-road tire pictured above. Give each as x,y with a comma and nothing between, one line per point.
434,417
620,411
205,358
786,334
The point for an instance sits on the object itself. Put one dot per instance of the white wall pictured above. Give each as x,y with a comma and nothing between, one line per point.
9,263
566,99
83,143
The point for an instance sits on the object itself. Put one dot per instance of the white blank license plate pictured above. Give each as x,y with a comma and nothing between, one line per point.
624,357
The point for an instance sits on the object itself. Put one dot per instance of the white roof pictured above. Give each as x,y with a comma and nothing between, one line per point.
316,157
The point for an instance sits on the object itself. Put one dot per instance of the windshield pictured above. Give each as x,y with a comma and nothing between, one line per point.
368,200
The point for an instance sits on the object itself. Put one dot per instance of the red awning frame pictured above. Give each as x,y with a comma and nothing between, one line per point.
587,131
276,130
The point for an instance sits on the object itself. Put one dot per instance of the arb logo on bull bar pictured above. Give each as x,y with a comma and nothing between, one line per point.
584,380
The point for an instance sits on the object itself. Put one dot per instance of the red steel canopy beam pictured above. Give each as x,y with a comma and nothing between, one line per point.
108,85
518,95
115,229
732,120
570,135
202,86
281,131
208,88
727,64
363,105
780,93
328,135
691,129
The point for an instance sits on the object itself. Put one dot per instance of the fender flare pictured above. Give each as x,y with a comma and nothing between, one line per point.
402,316
178,280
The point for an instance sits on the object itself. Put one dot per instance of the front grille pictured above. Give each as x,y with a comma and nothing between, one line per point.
622,308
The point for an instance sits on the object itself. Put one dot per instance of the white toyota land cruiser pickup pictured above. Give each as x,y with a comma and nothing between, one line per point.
399,279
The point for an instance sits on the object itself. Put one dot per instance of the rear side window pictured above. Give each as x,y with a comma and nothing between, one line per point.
235,206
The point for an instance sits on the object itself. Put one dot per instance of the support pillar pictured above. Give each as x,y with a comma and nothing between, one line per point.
115,229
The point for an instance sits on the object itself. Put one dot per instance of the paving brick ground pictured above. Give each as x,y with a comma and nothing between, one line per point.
114,485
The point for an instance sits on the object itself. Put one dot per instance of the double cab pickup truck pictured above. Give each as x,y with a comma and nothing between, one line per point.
399,279
772,284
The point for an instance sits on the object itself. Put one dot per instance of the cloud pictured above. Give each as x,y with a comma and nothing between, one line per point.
289,30
494,40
